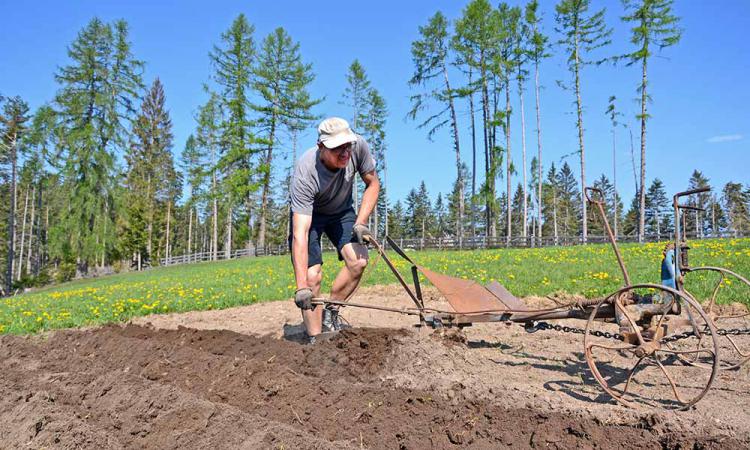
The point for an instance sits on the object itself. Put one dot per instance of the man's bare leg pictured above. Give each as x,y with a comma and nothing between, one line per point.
314,318
355,261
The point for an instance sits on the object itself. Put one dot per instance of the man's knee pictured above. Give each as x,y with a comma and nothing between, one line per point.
314,277
357,266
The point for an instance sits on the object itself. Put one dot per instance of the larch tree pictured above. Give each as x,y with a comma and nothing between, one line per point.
522,49
430,57
355,96
193,160
279,77
538,51
505,66
373,128
209,139
476,39
95,105
613,114
582,32
233,61
654,27
13,118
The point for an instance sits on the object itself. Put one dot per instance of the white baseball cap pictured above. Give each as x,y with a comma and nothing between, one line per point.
335,131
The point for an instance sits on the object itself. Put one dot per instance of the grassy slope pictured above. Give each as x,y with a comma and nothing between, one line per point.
589,270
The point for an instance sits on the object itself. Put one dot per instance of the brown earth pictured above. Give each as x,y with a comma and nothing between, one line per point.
239,378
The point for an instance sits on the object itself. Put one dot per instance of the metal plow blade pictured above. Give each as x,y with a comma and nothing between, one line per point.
466,296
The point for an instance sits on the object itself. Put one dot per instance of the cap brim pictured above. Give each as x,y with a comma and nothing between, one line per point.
341,139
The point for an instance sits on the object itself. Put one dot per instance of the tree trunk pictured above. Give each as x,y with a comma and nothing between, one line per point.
457,148
215,236
23,235
228,249
150,225
644,98
554,213
190,234
166,237
509,194
614,178
539,154
579,109
489,225
523,153
11,218
267,184
473,160
31,230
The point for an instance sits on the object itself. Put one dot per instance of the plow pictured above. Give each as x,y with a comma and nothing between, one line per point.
645,344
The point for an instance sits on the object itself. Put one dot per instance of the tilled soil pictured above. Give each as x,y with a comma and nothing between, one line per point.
240,379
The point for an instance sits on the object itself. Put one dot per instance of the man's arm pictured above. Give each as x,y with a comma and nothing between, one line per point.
370,196
300,230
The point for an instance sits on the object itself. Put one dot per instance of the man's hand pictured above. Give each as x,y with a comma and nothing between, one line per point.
362,233
303,299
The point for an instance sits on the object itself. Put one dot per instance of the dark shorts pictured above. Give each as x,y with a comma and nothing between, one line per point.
338,228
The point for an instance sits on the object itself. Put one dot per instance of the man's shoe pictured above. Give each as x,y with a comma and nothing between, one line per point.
332,320
309,340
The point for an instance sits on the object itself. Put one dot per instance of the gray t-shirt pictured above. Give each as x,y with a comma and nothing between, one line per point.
316,187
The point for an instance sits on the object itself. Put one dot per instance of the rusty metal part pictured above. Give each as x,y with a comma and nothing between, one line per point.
463,295
735,345
645,368
599,202
504,295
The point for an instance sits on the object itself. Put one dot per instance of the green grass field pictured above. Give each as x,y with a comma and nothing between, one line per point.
589,270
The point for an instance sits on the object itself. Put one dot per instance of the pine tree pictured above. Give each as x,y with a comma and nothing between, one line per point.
430,56
569,202
737,204
657,210
550,191
150,169
698,221
397,220
612,207
654,26
582,32
94,105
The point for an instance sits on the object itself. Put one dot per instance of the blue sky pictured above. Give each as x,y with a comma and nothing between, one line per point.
699,88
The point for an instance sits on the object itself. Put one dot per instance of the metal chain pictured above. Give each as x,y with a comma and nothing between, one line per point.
533,327
720,332
541,326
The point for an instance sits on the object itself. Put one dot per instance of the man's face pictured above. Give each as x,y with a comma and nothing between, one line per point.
337,157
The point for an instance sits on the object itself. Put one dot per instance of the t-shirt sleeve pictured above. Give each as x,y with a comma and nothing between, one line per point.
302,192
366,163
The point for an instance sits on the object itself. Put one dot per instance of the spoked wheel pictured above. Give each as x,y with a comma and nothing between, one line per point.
729,291
639,361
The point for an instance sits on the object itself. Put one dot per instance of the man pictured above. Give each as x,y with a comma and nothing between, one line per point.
321,202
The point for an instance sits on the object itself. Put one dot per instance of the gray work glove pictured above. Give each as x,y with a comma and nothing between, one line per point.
303,299
362,233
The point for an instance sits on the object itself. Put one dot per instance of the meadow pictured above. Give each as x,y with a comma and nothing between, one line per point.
589,270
